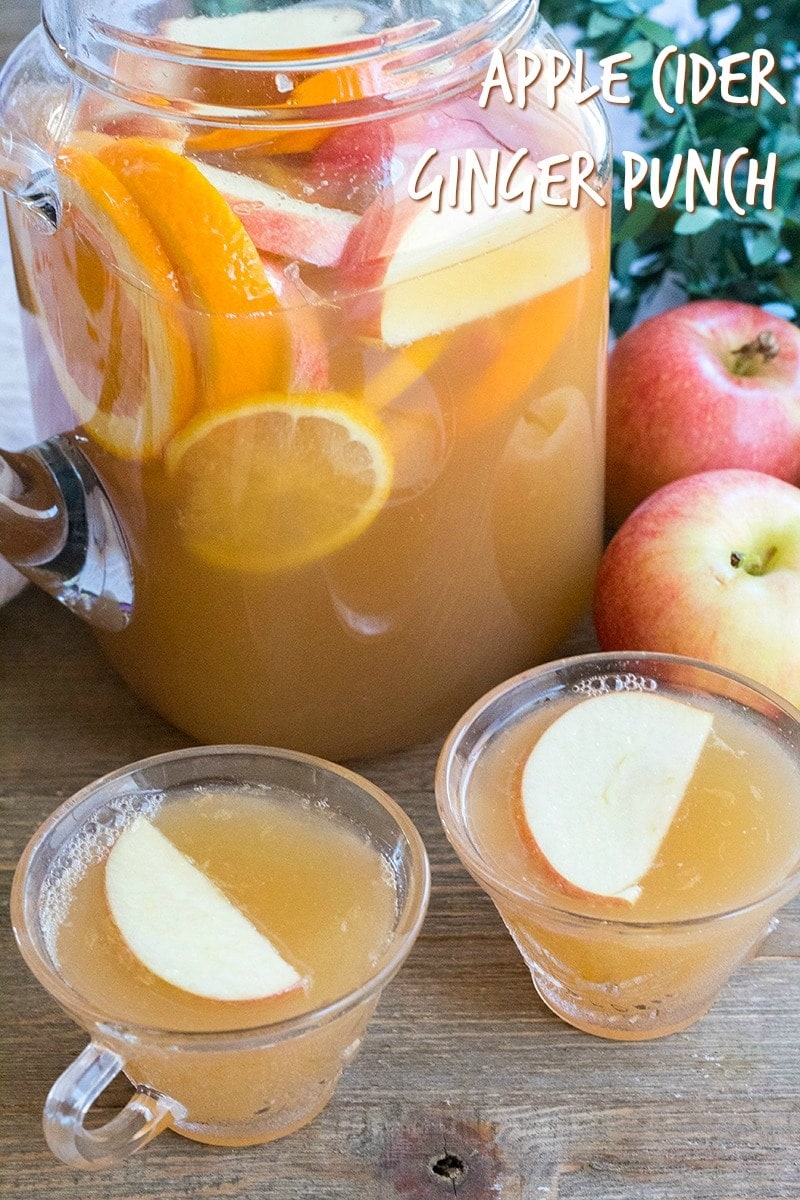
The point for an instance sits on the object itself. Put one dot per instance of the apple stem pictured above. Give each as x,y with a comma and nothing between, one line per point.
750,357
753,564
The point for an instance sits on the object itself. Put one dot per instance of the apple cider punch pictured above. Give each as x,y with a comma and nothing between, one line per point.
223,929
352,441
325,895
637,825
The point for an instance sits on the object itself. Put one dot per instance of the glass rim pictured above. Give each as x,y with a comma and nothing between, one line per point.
401,941
450,800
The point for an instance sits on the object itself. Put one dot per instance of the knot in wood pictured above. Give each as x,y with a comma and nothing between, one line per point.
448,1167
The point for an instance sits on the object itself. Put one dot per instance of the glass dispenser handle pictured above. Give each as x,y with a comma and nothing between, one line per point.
28,174
58,528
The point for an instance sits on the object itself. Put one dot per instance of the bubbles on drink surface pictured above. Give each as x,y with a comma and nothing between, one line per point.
601,685
85,849
323,891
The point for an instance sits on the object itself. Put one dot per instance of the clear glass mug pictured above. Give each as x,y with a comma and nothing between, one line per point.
228,1086
603,970
295,425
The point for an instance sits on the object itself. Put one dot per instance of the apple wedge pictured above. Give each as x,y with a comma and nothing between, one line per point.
355,162
602,785
352,164
310,366
183,928
281,224
420,272
285,28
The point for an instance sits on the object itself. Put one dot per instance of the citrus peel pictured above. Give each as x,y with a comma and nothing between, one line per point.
109,312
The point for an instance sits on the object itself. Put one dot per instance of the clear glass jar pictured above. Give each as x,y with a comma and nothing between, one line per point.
320,463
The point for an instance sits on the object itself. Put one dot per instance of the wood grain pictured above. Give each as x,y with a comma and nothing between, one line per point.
466,1086
461,1059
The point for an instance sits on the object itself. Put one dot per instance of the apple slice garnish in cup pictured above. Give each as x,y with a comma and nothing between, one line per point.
183,928
602,786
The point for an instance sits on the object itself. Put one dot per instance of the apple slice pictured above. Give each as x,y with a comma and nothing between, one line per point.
441,270
310,369
285,28
355,162
183,928
351,164
602,785
281,224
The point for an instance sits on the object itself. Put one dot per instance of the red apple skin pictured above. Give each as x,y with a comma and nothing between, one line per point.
356,162
308,238
351,165
669,579
367,254
676,407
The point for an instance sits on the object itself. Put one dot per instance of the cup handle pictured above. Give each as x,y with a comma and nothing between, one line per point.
74,1093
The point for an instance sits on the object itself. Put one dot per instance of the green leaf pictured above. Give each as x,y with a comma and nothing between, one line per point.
760,245
775,218
625,258
790,284
641,52
698,221
659,35
601,23
635,222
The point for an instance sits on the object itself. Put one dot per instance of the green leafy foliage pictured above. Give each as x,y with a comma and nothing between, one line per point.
711,252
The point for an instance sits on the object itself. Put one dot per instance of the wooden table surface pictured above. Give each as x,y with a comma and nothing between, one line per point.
462,1063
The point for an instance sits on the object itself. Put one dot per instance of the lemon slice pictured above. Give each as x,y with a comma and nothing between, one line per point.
279,481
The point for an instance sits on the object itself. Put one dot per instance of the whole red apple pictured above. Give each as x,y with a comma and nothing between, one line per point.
709,567
709,385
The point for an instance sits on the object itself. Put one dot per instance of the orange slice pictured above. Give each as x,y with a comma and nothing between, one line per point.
403,370
108,308
406,396
239,328
324,87
526,343
278,482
